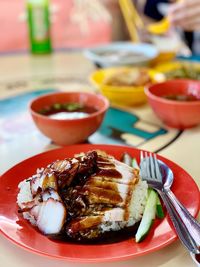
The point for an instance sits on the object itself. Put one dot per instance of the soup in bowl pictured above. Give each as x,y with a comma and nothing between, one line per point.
68,117
176,102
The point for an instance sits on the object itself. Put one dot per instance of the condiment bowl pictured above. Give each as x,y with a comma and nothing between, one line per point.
74,130
118,94
174,113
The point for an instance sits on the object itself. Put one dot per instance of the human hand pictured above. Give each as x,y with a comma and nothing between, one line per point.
185,14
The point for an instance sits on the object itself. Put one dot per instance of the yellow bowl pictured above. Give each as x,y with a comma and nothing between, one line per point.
122,95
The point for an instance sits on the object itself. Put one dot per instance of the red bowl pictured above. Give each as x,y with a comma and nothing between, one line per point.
176,114
69,131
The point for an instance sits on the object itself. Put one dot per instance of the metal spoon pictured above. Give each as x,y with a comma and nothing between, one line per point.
192,225
159,176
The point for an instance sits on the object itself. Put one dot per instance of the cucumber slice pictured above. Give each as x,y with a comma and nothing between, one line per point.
148,217
159,209
149,191
135,164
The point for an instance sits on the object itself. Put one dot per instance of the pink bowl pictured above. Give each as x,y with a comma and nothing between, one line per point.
176,114
69,131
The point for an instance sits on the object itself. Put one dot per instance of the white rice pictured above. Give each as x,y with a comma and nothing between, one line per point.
24,193
138,200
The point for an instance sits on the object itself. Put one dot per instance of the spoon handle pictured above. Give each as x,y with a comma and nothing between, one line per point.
191,224
180,228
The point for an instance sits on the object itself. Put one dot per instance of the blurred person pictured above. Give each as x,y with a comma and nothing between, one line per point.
85,12
186,15
151,9
179,13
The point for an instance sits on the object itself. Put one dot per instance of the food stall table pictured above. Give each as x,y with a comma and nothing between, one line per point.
24,77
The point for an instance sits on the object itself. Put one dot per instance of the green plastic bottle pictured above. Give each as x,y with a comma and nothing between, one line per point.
39,26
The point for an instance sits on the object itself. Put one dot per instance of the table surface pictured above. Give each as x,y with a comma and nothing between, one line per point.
22,73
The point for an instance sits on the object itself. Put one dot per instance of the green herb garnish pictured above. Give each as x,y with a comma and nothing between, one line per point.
57,106
185,72
70,107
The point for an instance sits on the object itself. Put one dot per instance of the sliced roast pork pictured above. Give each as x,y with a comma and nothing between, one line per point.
83,197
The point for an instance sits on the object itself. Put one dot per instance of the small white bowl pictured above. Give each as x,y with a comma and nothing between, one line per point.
119,54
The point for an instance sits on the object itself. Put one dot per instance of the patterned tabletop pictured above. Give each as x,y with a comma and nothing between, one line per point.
24,77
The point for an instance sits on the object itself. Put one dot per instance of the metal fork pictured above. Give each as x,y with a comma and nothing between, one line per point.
187,228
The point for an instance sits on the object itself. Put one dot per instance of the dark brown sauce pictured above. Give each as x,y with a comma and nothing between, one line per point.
197,257
105,164
85,223
112,173
181,97
101,195
103,184
49,182
102,159
105,238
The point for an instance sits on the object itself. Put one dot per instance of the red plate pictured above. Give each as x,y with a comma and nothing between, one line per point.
16,229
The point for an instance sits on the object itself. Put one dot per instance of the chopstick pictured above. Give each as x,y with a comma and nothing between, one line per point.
132,19
134,14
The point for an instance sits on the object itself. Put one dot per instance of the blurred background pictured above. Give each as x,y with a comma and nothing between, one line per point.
74,23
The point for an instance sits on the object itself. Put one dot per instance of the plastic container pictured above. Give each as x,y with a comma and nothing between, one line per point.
39,26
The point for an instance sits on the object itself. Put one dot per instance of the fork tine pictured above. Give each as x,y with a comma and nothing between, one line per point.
141,156
143,165
147,164
150,170
157,169
152,166
142,173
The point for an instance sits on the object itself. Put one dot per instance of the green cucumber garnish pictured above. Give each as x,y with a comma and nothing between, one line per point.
148,217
